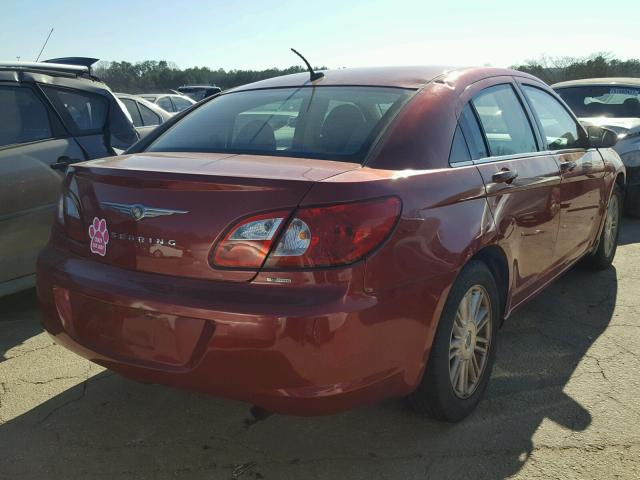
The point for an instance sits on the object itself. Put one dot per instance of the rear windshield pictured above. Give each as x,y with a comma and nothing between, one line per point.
337,123
602,101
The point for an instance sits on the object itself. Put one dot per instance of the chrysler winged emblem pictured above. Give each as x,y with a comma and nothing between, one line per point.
138,212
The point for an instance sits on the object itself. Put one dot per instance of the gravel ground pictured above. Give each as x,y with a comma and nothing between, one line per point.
562,403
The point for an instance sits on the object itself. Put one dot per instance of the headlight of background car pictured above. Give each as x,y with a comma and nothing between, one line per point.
631,159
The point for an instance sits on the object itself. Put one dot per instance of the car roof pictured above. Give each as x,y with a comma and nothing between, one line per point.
400,77
630,81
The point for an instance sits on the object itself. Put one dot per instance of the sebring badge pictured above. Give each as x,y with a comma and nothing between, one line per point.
138,212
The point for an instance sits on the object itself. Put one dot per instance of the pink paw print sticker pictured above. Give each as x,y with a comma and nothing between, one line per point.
99,236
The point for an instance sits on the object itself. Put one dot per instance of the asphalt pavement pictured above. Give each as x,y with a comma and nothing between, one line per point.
563,403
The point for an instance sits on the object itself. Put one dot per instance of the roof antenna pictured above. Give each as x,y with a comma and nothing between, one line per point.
314,75
45,44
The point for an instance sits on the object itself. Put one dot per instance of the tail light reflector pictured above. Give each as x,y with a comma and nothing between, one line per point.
247,244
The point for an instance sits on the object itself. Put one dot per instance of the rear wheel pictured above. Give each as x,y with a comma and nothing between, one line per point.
608,242
463,349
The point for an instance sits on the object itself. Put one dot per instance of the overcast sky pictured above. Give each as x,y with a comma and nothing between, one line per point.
258,34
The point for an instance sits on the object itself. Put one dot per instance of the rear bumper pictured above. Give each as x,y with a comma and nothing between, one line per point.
319,345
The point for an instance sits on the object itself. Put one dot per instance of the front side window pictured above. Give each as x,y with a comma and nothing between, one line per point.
504,121
83,112
617,101
23,117
558,127
336,122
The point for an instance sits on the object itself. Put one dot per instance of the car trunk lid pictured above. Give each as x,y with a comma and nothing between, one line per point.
164,211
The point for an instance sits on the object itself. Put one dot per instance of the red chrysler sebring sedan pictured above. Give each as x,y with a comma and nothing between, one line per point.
309,245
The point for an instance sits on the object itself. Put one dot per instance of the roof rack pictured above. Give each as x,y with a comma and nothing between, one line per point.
78,61
45,67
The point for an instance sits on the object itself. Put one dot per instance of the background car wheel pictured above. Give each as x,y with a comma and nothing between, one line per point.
463,350
632,202
608,243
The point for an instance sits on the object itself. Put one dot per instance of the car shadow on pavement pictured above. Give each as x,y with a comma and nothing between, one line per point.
111,427
630,231
18,320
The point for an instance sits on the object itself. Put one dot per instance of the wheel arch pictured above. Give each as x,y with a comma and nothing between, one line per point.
495,258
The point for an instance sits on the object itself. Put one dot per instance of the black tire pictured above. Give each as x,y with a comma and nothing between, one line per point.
601,259
435,396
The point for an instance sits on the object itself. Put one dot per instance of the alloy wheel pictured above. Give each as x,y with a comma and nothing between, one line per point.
611,225
470,341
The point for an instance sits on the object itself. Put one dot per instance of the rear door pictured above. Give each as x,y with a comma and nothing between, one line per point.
582,173
31,140
522,184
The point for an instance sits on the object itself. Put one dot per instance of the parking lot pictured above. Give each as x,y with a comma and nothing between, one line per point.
562,403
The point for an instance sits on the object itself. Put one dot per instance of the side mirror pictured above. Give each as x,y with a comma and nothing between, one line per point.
600,137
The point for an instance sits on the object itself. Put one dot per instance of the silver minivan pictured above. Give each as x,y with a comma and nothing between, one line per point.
51,115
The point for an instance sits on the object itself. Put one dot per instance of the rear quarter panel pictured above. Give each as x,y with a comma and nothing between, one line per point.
445,220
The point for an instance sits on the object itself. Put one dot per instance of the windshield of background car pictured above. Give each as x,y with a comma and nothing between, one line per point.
602,101
337,123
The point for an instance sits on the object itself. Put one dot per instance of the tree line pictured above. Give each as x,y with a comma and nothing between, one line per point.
558,69
152,75
161,76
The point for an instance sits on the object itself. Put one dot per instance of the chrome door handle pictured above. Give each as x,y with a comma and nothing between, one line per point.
568,166
504,176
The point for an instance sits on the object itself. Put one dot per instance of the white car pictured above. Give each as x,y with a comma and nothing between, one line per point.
613,103
169,102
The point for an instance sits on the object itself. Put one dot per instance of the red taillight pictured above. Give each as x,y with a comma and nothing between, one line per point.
315,237
334,235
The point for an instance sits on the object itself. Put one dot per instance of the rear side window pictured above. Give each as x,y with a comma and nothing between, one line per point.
505,124
459,150
23,117
181,103
149,117
472,133
133,111
83,112
165,104
336,122
558,127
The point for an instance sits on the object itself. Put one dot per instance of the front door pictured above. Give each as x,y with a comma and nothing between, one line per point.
582,172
